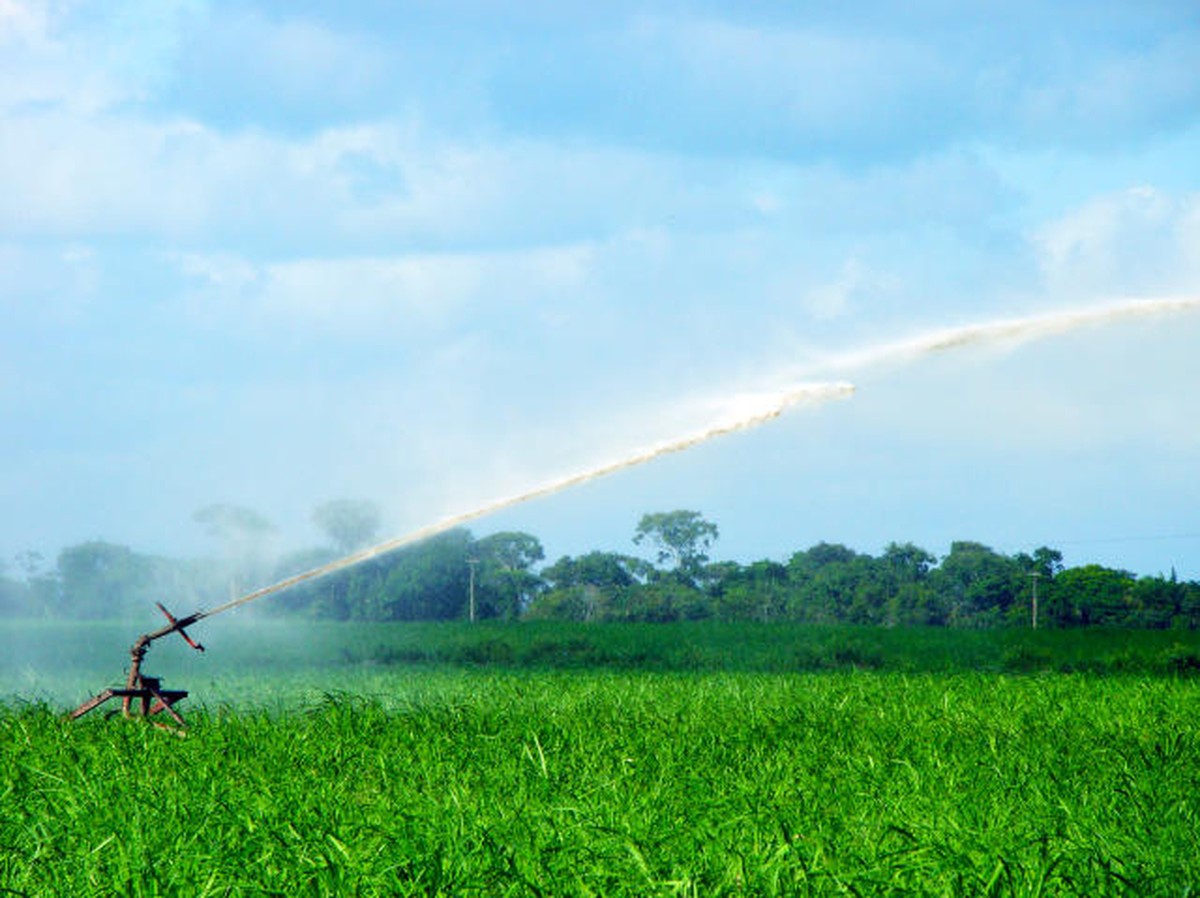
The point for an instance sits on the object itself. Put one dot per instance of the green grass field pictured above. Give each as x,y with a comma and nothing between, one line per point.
620,761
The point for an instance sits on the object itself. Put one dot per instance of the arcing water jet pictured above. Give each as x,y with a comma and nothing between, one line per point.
747,412
744,412
1002,330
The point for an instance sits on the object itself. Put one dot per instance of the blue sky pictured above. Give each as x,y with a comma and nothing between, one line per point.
433,254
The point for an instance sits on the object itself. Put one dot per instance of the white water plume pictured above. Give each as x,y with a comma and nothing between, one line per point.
749,410
1003,330
741,412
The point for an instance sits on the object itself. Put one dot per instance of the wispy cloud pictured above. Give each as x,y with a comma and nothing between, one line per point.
393,300
86,58
1141,239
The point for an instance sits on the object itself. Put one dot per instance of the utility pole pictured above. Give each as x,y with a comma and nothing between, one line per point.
471,563
1034,575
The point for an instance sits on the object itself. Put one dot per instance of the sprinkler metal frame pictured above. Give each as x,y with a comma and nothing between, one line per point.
152,698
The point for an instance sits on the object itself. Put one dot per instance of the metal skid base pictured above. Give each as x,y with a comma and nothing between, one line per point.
151,698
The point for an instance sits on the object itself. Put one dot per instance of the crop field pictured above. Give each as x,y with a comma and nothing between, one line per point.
614,761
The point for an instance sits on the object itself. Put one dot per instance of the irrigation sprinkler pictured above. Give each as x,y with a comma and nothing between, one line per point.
152,698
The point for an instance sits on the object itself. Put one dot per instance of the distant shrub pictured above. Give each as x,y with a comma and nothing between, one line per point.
858,657
575,652
490,651
1179,659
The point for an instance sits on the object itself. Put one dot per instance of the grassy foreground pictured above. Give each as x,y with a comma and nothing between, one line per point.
593,782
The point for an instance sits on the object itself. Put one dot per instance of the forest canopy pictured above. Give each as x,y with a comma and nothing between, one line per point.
504,575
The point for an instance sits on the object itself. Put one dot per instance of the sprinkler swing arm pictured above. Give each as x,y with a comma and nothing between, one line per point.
142,686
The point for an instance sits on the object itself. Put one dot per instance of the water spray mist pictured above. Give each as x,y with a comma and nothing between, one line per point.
742,413
998,331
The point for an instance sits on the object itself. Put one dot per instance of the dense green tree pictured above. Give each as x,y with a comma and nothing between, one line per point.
589,587
505,592
575,603
825,581
1189,606
101,579
716,575
903,573
906,563
660,601
40,592
837,591
759,591
607,571
506,584
1047,562
325,597
821,555
426,581
978,583
681,538
511,550
917,604
350,524
13,598
1157,602
245,537
1093,595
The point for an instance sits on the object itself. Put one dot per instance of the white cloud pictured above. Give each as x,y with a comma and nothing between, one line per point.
1110,97
831,300
246,59
64,177
38,66
1139,240
365,186
863,84
304,58
86,58
381,298
67,176
51,284
821,79
793,85
21,21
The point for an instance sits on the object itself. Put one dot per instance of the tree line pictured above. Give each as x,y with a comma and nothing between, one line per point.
455,575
